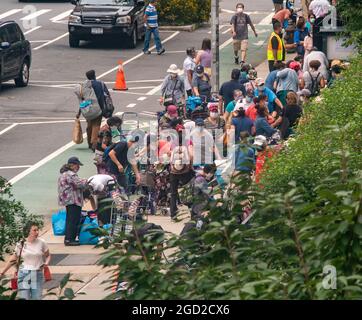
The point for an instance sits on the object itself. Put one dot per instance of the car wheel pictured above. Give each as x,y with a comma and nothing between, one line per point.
133,38
23,79
73,41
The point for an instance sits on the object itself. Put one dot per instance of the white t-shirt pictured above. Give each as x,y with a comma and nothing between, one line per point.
32,255
189,64
99,181
243,104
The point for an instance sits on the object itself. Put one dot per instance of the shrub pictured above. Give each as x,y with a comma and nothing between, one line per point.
309,157
178,12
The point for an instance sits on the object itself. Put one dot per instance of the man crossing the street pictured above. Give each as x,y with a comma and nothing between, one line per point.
239,28
151,23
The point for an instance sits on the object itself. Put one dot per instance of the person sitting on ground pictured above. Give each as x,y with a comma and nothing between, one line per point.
286,80
171,114
291,115
262,127
241,123
238,96
214,121
272,76
263,152
244,156
313,80
201,83
247,102
321,57
275,106
252,111
227,89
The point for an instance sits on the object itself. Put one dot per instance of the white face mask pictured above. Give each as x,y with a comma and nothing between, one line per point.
239,10
214,115
248,99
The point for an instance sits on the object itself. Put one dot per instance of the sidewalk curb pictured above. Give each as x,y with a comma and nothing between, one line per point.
186,28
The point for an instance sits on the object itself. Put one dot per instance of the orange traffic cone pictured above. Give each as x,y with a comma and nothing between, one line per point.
120,79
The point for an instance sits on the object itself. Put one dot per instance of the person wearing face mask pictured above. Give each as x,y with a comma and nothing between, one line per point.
70,196
201,83
173,88
274,104
239,29
214,121
247,102
276,47
238,96
189,68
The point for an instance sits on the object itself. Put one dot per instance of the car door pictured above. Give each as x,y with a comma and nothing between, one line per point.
4,56
139,17
13,55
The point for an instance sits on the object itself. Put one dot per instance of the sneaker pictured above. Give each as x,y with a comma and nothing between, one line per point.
71,243
161,52
147,52
237,60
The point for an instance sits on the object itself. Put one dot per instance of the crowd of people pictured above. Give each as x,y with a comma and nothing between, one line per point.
201,136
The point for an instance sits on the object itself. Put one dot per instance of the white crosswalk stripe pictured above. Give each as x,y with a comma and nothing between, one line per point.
61,16
36,14
9,13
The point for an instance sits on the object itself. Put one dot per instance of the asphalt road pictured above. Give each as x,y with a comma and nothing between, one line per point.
37,120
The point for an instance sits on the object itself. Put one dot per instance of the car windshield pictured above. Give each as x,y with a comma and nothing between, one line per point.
108,2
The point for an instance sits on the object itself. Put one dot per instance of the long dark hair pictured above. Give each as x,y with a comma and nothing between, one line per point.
206,44
240,113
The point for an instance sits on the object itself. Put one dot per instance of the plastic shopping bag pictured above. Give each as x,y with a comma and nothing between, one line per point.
85,235
58,223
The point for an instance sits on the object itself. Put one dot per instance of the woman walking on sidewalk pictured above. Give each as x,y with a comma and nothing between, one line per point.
31,256
70,195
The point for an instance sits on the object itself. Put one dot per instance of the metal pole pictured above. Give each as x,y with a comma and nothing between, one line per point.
215,44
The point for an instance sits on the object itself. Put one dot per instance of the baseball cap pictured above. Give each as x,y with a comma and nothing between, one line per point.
74,160
200,122
259,82
199,69
260,141
172,110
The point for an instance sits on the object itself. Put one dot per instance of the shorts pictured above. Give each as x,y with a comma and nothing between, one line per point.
240,45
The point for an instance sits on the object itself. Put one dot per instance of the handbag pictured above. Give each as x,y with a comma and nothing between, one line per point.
14,279
169,100
77,132
47,274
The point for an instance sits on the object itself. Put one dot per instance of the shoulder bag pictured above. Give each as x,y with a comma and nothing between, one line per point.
14,280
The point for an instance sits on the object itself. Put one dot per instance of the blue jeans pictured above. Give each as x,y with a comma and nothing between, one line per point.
156,37
30,284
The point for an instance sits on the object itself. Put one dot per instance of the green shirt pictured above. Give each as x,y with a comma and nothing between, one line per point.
230,107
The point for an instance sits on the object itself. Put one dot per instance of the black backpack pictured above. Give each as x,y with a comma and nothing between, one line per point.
315,89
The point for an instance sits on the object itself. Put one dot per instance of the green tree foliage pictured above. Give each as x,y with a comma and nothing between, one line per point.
351,13
13,217
178,12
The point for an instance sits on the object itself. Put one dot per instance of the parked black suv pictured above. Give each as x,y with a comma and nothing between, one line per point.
15,54
113,19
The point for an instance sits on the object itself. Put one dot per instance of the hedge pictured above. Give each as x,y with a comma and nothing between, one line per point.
308,158
181,12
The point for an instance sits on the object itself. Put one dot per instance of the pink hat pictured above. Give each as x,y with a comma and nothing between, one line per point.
172,110
295,66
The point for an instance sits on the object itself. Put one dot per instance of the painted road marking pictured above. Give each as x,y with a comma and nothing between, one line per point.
52,41
31,30
61,16
142,98
139,88
131,105
137,56
9,13
267,19
226,31
8,128
36,14
14,167
38,41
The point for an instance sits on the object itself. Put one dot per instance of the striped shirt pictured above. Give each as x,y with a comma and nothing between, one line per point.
151,13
